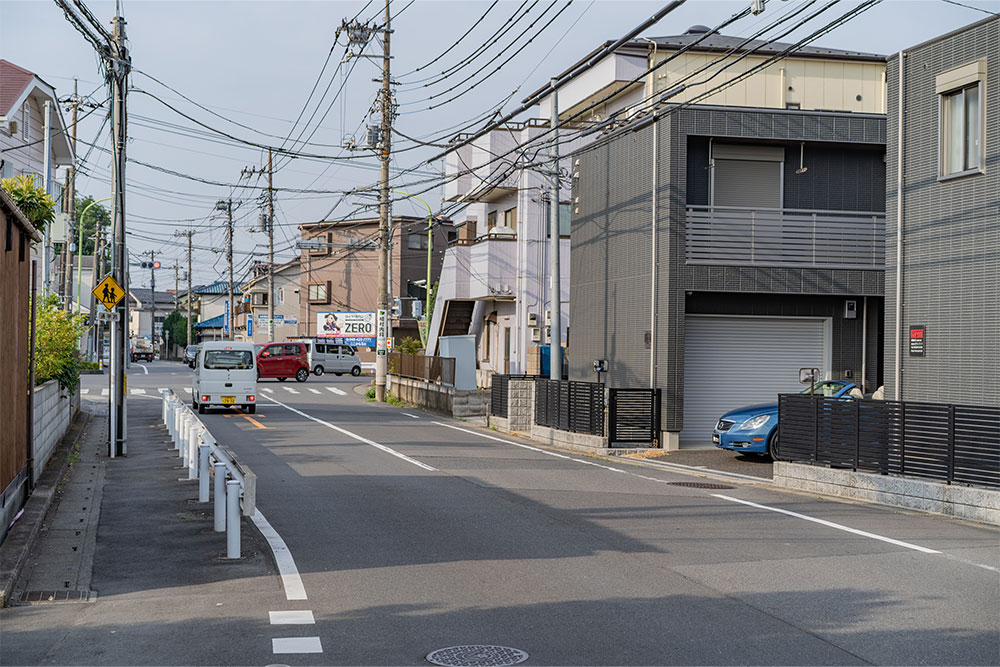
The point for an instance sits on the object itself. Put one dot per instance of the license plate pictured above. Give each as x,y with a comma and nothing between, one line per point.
226,400
715,438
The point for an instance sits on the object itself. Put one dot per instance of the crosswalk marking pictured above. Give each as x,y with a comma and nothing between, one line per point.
290,390
187,389
104,392
138,391
268,390
315,391
338,392
161,389
84,391
300,617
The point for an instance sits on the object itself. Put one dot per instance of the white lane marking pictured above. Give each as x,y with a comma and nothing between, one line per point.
507,442
338,392
144,369
830,524
315,391
290,390
187,389
268,390
84,391
161,389
296,645
290,579
137,391
412,416
300,617
387,450
105,392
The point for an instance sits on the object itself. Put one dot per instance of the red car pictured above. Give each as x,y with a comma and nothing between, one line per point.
283,361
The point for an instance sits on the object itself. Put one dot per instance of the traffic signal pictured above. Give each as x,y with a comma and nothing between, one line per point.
149,265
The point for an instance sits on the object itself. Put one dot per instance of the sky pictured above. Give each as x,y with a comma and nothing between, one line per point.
252,65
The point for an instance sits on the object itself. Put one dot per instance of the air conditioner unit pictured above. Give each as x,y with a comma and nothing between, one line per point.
536,335
532,320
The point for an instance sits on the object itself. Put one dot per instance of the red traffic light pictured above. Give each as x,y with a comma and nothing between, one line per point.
156,265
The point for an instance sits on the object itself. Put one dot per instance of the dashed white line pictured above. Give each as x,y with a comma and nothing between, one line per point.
187,389
387,450
290,390
290,579
161,389
105,392
411,416
315,391
296,645
299,617
338,392
137,391
84,392
267,389
829,524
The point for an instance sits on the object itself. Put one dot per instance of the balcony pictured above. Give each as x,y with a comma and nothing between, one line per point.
725,235
483,268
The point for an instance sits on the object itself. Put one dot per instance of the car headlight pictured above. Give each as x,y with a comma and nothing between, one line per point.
753,423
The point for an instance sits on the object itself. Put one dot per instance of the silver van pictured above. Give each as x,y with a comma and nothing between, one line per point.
331,357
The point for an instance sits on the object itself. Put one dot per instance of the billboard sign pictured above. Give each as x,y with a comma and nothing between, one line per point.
354,329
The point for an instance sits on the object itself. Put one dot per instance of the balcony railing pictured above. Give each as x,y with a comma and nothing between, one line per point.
785,237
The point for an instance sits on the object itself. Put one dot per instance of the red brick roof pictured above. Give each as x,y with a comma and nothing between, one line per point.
13,81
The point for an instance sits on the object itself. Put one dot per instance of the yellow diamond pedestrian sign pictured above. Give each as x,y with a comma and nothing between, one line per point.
109,292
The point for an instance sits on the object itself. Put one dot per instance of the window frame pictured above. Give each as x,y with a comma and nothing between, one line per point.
958,81
324,299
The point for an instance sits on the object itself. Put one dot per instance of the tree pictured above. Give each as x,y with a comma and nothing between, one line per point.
96,213
176,325
57,337
37,206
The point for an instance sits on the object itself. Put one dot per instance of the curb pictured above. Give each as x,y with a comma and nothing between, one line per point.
24,534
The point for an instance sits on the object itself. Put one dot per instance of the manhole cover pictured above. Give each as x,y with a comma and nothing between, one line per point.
476,656
700,485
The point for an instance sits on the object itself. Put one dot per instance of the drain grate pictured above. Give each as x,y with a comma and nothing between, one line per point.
55,596
476,655
700,485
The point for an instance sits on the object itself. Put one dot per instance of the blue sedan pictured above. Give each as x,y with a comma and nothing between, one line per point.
754,428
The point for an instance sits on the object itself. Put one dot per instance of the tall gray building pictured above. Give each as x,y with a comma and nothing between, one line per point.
716,250
942,326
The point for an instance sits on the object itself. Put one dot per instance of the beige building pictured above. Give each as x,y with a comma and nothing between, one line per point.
286,304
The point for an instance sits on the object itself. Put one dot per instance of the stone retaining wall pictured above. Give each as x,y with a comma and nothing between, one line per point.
974,504
54,408
440,398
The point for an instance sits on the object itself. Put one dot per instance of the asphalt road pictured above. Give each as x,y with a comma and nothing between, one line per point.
413,533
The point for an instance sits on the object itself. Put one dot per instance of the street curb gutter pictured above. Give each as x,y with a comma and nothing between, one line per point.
21,539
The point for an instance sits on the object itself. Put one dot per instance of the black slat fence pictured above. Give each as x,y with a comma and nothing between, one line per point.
568,405
633,416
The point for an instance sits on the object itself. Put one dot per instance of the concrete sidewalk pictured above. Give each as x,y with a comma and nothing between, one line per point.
117,532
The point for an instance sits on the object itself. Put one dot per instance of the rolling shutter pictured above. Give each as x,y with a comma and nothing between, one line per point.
747,176
732,362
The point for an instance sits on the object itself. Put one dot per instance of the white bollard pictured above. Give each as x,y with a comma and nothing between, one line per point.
163,407
220,496
233,519
204,451
177,424
192,462
182,439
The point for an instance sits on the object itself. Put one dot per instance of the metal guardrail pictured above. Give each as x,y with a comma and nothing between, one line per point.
785,237
949,443
235,484
422,367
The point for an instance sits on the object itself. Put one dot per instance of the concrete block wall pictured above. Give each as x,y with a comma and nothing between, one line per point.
441,398
53,411
470,403
521,404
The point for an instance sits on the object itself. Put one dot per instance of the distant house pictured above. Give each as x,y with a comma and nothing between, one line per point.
145,316
254,307
212,309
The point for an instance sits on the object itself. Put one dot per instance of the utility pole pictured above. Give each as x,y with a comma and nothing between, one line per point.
119,65
152,296
47,184
555,324
385,139
189,233
270,248
71,206
227,206
176,280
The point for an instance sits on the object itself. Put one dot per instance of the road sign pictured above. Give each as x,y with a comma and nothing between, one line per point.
108,292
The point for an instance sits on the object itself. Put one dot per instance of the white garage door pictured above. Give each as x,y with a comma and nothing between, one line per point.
730,362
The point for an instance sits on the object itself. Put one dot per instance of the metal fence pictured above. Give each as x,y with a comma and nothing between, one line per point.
418,366
633,416
570,406
951,443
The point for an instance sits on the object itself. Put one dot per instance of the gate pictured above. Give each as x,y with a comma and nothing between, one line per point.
633,416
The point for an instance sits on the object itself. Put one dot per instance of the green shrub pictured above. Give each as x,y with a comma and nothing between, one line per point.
409,346
370,394
57,339
37,206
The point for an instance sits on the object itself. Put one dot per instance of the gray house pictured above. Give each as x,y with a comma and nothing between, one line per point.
716,250
942,326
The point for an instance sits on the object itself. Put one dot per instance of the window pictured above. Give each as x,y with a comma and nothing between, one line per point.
26,120
960,92
293,350
259,298
510,218
416,242
229,359
961,125
746,176
281,295
491,221
319,292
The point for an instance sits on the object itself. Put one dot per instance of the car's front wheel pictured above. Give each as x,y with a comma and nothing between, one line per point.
318,371
772,446
302,375
201,409
356,371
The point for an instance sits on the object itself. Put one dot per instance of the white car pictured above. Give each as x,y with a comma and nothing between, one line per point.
225,374
332,357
